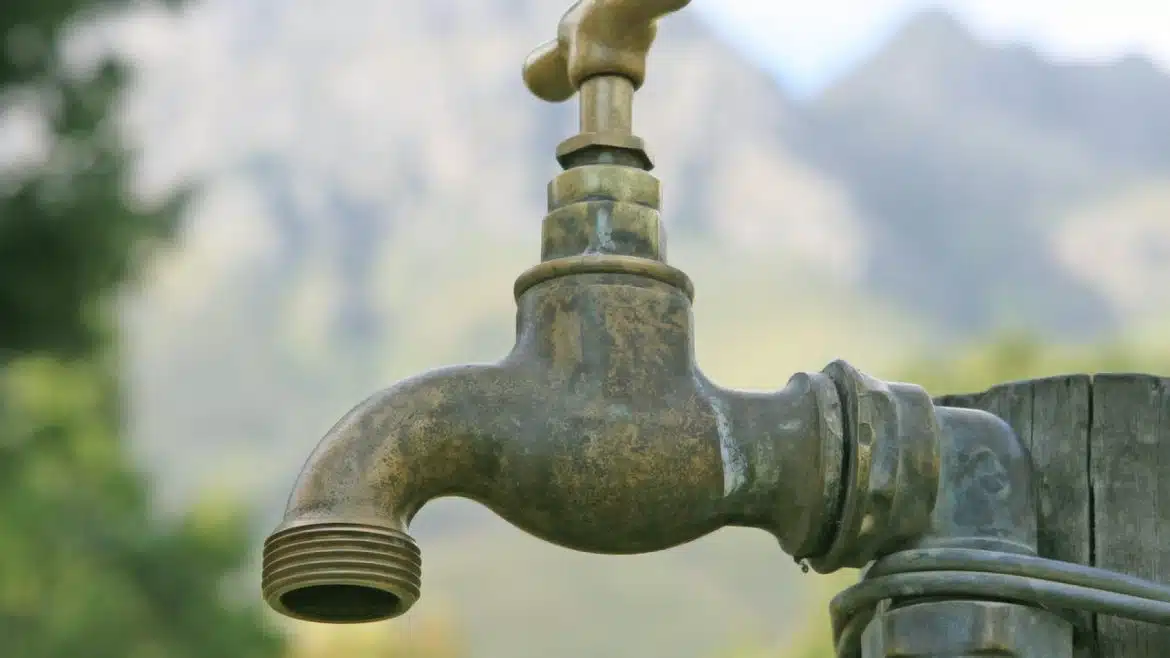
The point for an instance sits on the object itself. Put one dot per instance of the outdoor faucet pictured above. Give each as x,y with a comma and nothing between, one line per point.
598,432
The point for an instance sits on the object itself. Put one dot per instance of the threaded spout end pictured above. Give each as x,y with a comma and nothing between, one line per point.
341,573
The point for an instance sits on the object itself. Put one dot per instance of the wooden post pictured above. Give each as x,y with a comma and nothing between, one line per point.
1101,449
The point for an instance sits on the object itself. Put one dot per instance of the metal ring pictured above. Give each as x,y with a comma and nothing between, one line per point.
604,264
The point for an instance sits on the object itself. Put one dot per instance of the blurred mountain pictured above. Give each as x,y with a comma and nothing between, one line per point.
969,158
373,177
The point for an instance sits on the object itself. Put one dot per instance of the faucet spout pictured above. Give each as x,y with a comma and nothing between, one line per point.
342,554
597,432
419,439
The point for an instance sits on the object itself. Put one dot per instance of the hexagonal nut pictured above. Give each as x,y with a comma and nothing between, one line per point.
604,182
967,628
603,227
893,470
580,144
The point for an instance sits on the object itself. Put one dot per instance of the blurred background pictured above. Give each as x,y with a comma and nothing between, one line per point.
225,222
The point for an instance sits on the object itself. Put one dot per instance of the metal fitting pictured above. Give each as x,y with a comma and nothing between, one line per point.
967,628
892,467
604,148
603,209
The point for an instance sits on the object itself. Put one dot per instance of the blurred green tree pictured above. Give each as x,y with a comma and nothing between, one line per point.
1014,357
85,568
433,636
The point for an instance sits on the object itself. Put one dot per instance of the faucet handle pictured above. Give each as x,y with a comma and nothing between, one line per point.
596,38
600,50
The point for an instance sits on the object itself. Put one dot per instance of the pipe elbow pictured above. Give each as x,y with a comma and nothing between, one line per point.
986,489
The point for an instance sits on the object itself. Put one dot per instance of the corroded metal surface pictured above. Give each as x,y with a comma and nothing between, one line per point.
968,628
892,474
603,209
986,499
985,503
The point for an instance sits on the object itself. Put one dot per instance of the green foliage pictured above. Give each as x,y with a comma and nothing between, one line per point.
1016,357
426,637
68,237
85,570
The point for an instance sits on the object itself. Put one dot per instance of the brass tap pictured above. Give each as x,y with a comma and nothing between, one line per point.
600,51
598,431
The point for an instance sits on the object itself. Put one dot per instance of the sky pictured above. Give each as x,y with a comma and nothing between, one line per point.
808,43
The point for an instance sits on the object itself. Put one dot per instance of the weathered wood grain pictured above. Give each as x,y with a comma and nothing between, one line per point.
1130,458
